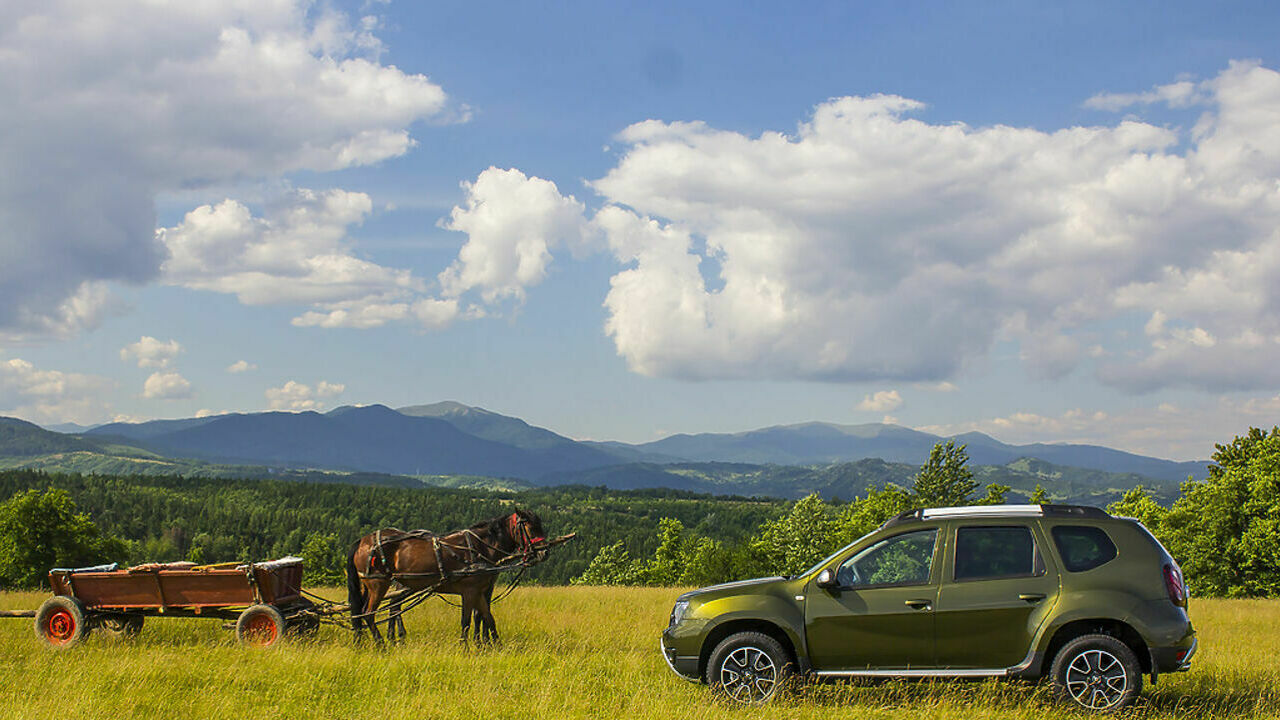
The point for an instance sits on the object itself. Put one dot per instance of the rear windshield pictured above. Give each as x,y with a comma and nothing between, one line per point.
1083,547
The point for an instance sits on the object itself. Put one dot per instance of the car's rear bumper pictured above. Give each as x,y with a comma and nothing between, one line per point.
1174,659
684,666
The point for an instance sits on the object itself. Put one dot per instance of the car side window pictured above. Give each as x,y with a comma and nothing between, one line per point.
1082,547
899,560
987,553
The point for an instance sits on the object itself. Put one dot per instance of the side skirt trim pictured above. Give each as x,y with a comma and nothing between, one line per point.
934,672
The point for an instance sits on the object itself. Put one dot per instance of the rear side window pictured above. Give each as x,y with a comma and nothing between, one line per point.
985,553
1083,548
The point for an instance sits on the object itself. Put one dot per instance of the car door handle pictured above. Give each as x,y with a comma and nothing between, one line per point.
1031,597
919,604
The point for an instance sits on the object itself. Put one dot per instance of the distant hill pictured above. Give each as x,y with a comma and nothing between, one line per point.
19,438
455,445
374,438
811,443
848,480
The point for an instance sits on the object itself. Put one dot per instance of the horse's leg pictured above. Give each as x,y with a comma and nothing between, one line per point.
395,627
486,605
377,589
468,607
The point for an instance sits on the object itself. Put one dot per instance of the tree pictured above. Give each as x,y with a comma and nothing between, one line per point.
44,530
1224,530
944,480
866,514
611,566
793,542
1139,504
324,560
1039,496
996,494
671,558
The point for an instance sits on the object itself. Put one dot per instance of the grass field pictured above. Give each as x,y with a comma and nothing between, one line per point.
568,653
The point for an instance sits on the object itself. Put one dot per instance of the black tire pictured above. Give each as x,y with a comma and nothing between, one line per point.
61,622
260,626
1097,673
749,667
125,627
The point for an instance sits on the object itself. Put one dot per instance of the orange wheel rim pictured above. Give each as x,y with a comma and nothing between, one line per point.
60,627
260,630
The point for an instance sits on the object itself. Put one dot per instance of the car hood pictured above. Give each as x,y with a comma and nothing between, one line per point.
738,585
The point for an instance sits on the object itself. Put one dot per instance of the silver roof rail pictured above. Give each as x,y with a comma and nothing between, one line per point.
983,511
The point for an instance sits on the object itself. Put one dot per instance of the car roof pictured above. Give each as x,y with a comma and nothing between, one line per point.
996,511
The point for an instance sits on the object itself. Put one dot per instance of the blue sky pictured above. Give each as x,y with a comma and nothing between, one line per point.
1047,223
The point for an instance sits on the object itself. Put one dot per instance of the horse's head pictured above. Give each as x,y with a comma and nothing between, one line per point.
525,528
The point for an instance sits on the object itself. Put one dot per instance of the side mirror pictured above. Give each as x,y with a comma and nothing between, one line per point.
826,579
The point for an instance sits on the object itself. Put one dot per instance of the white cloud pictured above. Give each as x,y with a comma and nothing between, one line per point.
166,385
1183,93
882,401
1184,432
150,352
297,397
206,412
943,386
109,104
51,396
300,253
869,245
512,223
241,366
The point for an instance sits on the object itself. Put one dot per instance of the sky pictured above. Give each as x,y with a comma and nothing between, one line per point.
1046,222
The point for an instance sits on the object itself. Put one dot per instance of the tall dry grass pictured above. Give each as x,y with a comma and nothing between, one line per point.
568,653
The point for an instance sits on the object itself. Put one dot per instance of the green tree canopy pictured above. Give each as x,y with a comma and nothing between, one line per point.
945,479
43,530
1224,530
611,566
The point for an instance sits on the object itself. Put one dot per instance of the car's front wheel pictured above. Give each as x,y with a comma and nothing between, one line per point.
749,667
1097,672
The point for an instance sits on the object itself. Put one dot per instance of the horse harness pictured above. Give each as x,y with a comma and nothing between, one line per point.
380,568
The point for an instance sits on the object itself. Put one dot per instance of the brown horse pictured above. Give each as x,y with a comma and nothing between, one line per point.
445,563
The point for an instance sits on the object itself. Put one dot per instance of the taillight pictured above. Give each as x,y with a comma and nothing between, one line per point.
1173,583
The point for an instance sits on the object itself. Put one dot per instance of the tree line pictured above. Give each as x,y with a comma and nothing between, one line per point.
1224,530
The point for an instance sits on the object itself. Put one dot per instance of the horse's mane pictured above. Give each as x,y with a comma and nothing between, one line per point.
495,527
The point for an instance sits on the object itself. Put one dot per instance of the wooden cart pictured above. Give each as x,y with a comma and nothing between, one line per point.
263,599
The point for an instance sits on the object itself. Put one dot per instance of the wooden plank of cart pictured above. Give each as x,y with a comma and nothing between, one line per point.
263,599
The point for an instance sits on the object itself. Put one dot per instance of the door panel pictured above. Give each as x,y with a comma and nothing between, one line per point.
882,614
988,612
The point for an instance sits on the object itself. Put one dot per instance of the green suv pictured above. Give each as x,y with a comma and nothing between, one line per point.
1090,601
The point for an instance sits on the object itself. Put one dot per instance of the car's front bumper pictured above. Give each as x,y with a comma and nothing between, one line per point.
685,666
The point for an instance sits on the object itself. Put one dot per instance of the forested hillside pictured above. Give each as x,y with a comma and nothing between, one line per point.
170,518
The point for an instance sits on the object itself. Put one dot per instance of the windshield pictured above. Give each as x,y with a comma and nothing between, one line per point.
834,555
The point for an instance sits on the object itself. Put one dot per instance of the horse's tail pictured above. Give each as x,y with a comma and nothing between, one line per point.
355,593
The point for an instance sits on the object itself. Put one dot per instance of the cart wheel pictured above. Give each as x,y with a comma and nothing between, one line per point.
121,626
260,625
61,622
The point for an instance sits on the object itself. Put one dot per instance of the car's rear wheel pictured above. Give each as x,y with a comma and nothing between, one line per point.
749,667
1098,673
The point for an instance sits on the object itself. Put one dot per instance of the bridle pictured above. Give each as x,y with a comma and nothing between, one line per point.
518,529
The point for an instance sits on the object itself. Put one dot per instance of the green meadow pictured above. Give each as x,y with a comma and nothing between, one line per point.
568,652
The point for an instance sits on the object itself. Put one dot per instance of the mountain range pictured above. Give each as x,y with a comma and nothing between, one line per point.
452,440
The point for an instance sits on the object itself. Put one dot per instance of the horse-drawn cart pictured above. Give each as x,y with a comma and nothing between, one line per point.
264,599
